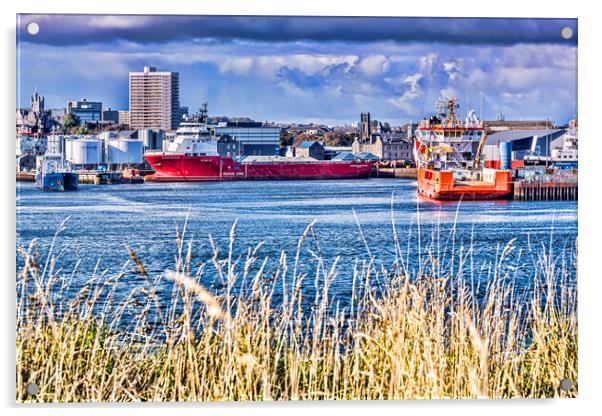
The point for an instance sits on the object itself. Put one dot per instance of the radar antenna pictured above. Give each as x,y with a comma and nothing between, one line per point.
203,113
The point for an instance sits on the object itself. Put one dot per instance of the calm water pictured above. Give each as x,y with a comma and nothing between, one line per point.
103,218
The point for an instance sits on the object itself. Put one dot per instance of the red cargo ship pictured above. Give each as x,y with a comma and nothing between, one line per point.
448,158
193,156
185,167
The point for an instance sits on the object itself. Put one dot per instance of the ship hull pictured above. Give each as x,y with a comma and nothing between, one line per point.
58,181
183,168
440,185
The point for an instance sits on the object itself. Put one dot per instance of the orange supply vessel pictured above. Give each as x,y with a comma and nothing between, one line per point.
448,158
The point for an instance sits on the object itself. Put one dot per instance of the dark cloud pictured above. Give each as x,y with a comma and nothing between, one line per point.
86,29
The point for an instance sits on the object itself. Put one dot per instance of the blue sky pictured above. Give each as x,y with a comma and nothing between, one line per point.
308,68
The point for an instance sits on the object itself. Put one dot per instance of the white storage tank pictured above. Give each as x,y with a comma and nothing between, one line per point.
124,151
84,151
152,139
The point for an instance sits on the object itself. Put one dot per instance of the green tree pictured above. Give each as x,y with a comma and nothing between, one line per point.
70,121
81,130
286,139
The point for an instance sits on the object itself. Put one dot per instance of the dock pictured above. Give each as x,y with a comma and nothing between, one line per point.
26,177
106,178
401,173
545,191
91,177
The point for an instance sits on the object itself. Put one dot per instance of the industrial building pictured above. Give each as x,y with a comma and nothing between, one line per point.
504,125
84,152
151,139
109,148
154,99
86,111
123,151
524,142
331,151
253,137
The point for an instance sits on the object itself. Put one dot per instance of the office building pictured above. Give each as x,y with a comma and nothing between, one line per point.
253,137
154,99
86,111
124,117
110,116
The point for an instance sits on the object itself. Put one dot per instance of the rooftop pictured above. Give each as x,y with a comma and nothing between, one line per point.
344,156
513,135
307,145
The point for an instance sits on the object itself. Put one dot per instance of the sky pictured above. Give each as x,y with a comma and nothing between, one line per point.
308,69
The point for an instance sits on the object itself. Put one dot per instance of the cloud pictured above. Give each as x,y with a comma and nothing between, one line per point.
405,102
86,29
374,65
118,22
236,65
310,80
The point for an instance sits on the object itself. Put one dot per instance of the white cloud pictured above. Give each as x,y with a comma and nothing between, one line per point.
338,80
236,65
118,22
374,65
405,101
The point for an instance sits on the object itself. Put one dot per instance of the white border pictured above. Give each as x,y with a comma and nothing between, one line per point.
590,222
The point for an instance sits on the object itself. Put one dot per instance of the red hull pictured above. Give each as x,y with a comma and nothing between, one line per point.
441,185
183,168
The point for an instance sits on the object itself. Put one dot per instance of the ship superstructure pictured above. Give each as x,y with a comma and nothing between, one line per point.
194,137
448,157
444,142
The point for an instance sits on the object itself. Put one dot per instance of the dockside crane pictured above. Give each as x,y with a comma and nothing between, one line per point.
477,156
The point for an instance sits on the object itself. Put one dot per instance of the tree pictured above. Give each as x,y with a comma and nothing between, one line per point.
70,121
286,139
81,130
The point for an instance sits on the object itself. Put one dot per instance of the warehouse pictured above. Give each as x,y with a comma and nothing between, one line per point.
524,142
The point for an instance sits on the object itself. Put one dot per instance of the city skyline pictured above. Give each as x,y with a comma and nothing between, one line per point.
304,69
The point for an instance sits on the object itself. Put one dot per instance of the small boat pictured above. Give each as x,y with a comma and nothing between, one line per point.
54,174
131,175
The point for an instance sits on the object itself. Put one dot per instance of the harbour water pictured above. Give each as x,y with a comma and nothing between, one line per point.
354,220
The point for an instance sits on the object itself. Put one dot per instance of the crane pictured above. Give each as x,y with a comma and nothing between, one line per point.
477,156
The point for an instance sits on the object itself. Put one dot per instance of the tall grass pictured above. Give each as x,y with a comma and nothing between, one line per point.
402,334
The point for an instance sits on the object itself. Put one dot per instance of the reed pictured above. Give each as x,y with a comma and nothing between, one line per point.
403,334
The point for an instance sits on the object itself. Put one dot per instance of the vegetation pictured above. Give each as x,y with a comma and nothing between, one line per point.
70,121
339,139
402,334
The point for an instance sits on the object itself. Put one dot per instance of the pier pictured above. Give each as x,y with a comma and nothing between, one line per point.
26,177
546,191
402,173
106,178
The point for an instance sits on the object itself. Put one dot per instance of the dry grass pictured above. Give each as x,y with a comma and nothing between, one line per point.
424,335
